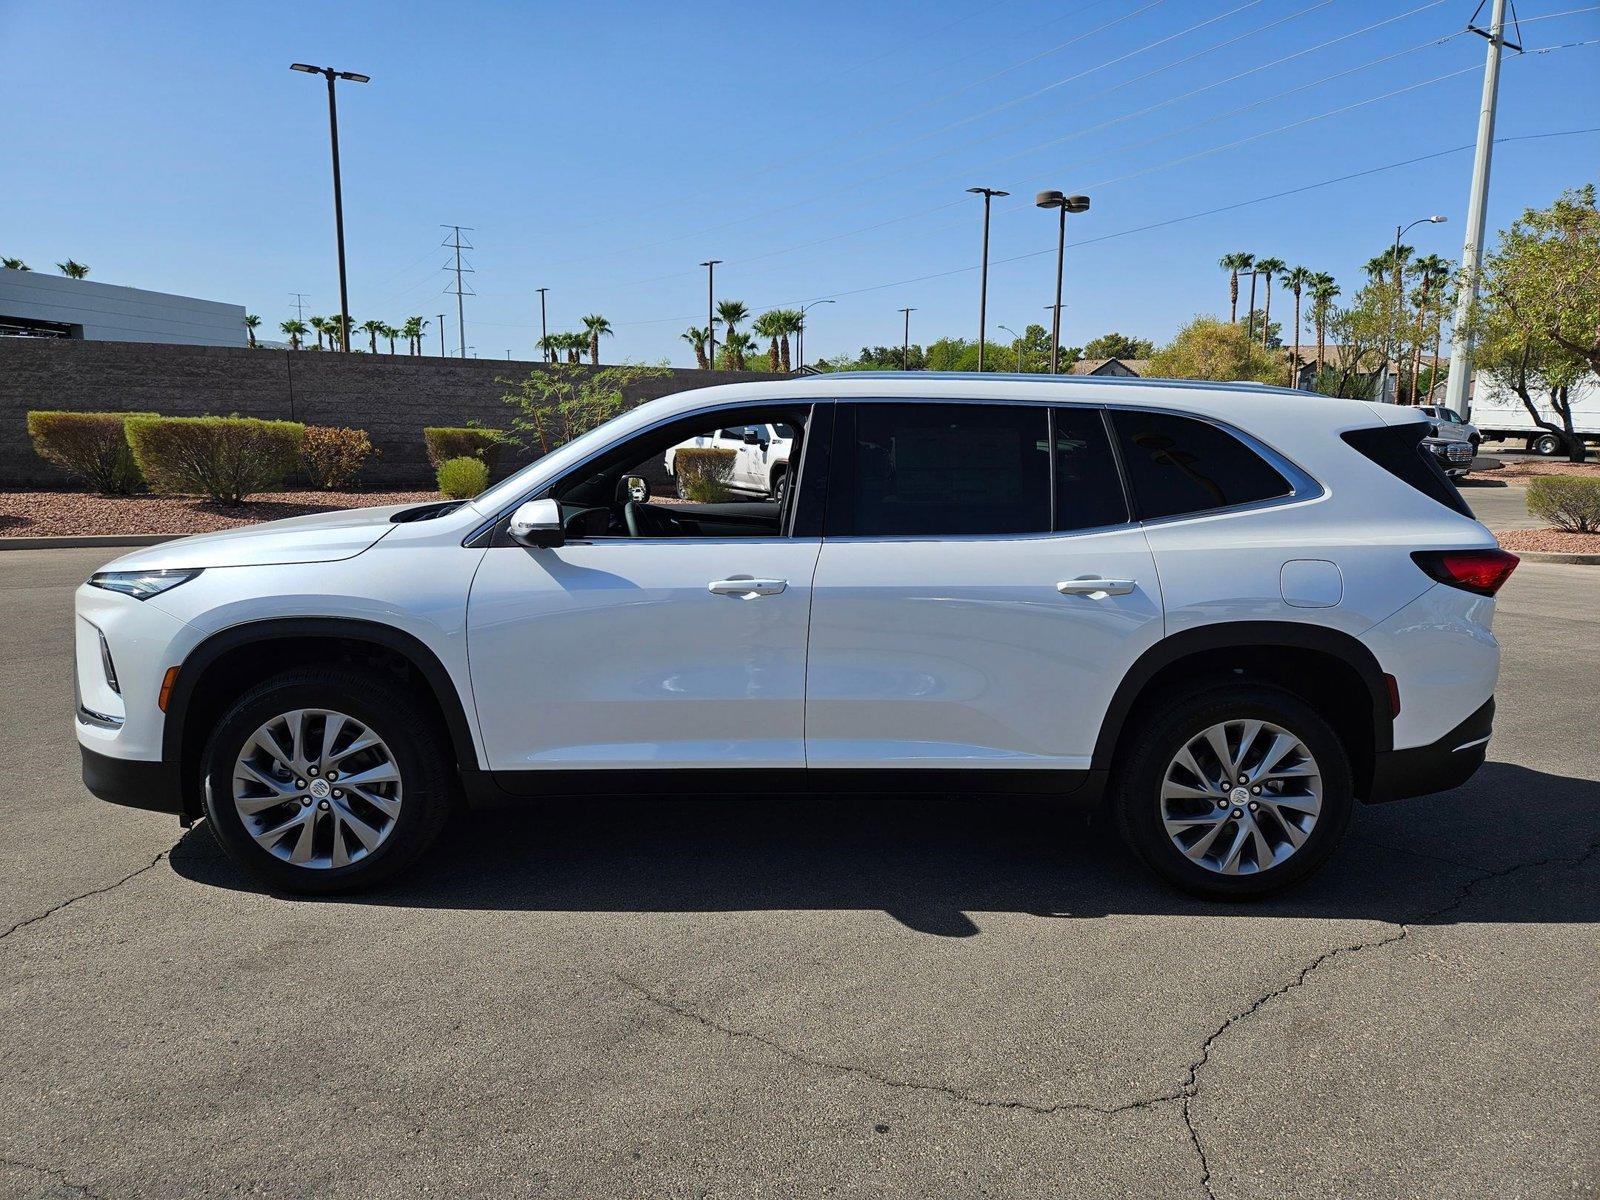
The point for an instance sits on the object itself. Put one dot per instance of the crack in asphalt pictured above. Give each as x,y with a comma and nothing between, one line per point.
100,891
54,1173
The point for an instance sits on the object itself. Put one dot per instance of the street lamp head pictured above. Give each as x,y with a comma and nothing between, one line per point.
1050,200
1077,204
306,67
1437,220
353,77
983,191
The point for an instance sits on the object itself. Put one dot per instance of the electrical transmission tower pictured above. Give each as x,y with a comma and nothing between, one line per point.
455,243
299,305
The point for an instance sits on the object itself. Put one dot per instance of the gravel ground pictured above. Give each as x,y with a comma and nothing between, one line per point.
1550,541
1511,468
69,514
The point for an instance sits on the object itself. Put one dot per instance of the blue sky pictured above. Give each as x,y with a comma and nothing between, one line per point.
820,149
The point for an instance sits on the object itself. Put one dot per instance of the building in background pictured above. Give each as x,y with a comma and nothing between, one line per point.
33,304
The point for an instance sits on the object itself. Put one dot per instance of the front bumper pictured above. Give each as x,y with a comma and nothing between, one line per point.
134,782
1438,767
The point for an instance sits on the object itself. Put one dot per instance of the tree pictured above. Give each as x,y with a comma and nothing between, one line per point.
1363,333
1296,279
560,401
1209,348
294,330
735,345
1432,273
1323,293
696,337
1268,267
790,320
320,324
14,264
73,270
412,332
372,329
390,332
769,325
597,326
251,324
1268,333
1233,264
1119,345
729,314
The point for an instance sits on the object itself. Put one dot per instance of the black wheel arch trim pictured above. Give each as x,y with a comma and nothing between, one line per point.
1244,635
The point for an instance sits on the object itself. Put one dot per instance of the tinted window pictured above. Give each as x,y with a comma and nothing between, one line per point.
1088,489
1181,465
944,469
1398,449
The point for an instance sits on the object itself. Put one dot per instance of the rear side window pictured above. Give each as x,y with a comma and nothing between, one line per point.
1398,449
1179,465
1088,489
941,469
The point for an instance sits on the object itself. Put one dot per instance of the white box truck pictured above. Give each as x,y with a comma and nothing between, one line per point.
1500,415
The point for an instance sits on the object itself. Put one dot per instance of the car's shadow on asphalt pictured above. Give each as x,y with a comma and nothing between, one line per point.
929,862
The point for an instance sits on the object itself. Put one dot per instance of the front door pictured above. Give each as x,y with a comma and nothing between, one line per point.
981,591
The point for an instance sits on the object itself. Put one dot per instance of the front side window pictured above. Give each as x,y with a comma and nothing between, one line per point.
941,470
1178,465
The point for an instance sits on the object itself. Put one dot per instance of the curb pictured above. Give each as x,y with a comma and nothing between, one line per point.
1549,556
78,543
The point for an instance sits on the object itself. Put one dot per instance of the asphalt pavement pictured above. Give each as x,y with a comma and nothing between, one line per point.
857,998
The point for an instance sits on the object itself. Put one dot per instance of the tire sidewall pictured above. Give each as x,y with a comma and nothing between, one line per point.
389,714
1138,791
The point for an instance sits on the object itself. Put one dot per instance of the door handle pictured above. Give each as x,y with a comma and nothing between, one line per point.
746,588
1095,589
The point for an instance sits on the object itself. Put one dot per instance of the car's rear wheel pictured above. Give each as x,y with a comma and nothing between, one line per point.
1235,791
325,780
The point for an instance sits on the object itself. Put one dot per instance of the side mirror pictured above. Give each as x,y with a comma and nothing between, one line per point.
537,523
752,438
636,488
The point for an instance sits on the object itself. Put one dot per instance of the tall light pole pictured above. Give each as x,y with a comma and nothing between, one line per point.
338,196
1457,382
711,310
905,352
1065,204
442,353
1400,288
805,308
1017,339
988,195
544,327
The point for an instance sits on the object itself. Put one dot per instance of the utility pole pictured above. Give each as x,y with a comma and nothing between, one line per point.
1460,377
461,313
299,306
711,306
988,195
441,335
544,328
905,352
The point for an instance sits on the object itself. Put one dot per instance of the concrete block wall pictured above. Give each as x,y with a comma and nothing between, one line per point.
391,396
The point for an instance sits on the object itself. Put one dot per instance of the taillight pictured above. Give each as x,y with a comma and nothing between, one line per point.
1480,571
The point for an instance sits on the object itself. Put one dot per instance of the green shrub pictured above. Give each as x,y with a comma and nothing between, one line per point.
332,457
1570,502
703,473
468,442
462,478
92,447
225,458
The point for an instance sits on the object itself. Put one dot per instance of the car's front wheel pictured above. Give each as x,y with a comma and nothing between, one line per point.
1234,792
325,780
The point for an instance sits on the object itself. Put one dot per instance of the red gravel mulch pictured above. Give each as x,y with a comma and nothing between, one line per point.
1517,468
1550,541
75,514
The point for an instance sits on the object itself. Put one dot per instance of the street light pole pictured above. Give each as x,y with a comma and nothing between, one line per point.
711,307
988,195
1066,204
801,334
905,352
544,327
1017,339
442,353
1400,290
338,196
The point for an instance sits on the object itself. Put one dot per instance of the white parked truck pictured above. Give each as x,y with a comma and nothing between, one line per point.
1500,415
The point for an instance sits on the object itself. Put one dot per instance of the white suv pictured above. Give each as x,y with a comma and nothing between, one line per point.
1226,612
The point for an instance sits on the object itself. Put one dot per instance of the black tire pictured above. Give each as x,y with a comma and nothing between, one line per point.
1547,445
779,486
419,751
1157,739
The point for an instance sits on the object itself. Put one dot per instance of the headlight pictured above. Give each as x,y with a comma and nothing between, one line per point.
141,585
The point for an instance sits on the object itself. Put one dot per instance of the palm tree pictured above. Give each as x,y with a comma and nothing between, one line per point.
73,270
596,326
372,329
1233,264
551,345
390,332
320,324
792,319
1323,290
14,264
412,330
251,324
770,326
295,330
696,337
730,313
1296,279
1431,273
735,345
1268,268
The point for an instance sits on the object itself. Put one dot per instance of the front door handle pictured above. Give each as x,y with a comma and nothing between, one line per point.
746,588
1095,589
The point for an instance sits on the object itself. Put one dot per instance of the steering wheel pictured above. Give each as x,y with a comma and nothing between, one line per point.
630,515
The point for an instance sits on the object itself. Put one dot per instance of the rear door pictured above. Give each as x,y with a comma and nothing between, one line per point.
981,590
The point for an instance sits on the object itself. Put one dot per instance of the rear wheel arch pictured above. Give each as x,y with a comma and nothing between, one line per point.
1327,668
229,663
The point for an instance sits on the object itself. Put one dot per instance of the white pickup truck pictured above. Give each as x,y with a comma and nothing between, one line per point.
1500,415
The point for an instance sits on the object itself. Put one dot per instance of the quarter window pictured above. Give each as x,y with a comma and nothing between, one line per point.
1179,465
1088,489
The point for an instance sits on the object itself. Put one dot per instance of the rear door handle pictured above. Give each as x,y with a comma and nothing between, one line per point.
746,588
1095,589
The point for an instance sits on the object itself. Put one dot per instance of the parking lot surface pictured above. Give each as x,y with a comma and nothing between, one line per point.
612,997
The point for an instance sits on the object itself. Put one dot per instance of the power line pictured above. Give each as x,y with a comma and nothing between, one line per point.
461,315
